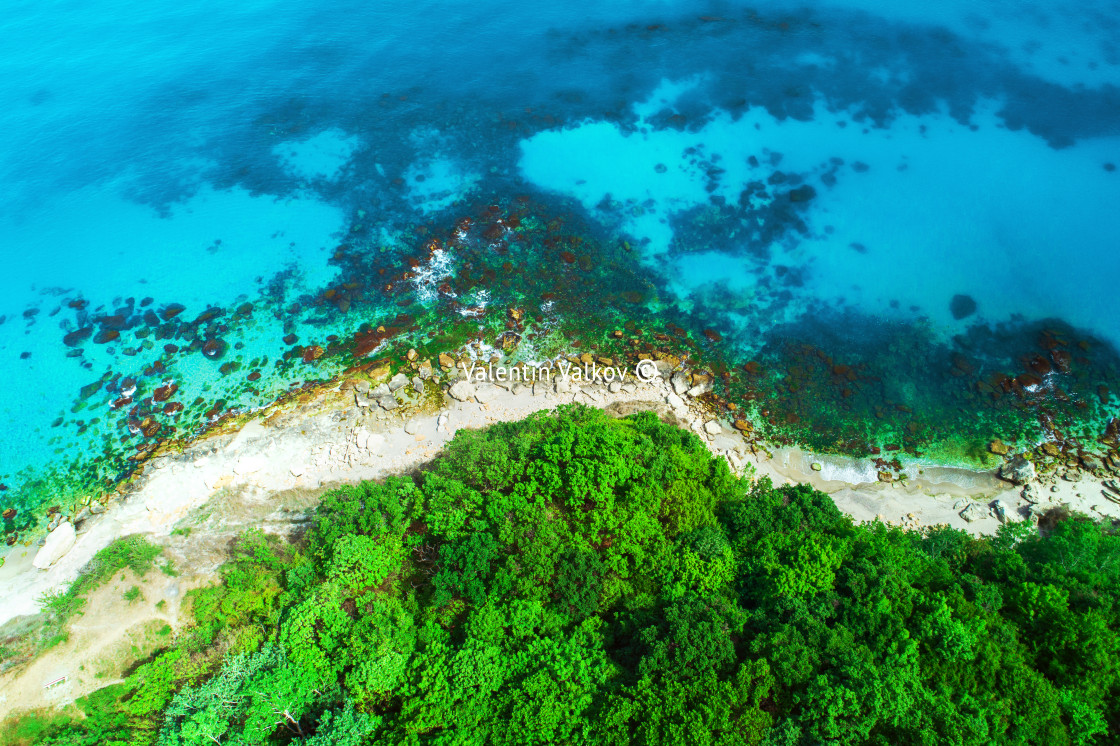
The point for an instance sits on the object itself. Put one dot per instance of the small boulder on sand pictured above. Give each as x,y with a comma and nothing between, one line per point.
58,543
973,512
1004,511
680,382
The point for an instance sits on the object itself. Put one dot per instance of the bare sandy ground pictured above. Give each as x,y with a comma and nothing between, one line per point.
102,643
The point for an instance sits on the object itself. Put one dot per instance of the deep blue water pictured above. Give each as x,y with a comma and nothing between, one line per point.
212,155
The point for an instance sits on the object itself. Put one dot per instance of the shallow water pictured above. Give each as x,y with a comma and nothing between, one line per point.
814,184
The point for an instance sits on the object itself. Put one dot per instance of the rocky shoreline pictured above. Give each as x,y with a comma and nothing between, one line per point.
375,423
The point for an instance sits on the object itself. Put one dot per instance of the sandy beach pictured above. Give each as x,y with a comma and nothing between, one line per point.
351,432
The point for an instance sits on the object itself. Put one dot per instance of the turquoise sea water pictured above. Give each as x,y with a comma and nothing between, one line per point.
176,175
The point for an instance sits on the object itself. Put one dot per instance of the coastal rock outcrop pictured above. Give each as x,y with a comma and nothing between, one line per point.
58,543
703,386
1004,511
680,382
461,391
398,381
1017,471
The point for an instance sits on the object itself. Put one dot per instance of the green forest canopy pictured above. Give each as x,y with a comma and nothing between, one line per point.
577,579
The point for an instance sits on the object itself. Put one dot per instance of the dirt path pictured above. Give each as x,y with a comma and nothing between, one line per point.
104,641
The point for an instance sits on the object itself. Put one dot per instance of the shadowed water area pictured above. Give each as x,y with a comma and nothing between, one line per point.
886,233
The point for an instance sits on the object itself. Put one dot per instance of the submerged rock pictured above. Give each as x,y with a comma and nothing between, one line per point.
962,306
165,392
172,310
75,338
802,193
117,322
214,349
89,390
